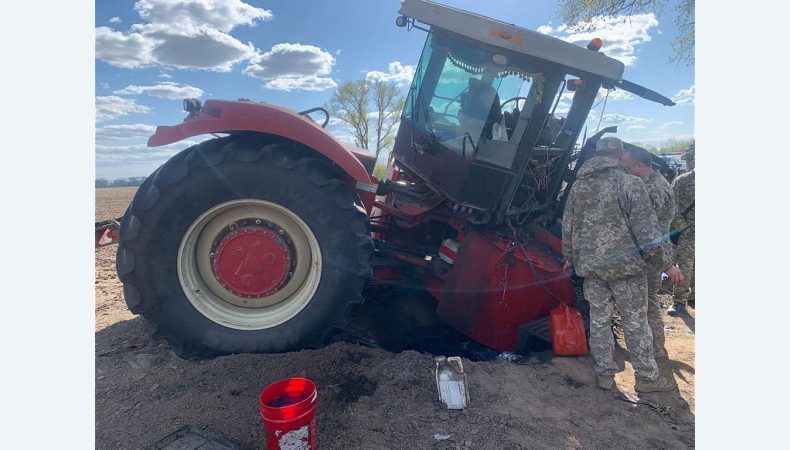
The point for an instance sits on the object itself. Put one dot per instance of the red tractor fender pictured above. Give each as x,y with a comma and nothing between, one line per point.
223,116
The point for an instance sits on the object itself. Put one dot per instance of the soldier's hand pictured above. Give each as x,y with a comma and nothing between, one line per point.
675,275
567,267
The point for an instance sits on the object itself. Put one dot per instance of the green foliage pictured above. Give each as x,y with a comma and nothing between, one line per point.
363,104
579,12
380,171
389,104
350,104
670,145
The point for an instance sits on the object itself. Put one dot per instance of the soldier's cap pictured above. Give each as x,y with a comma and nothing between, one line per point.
609,145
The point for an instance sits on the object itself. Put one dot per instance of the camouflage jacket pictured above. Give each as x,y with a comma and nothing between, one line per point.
663,201
609,227
683,189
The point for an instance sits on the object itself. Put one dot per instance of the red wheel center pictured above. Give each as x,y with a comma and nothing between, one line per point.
252,262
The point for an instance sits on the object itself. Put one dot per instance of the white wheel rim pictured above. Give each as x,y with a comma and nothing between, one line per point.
224,307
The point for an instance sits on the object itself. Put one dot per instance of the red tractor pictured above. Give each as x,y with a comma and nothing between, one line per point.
262,239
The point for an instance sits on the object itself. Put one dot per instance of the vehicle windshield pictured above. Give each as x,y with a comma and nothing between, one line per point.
463,95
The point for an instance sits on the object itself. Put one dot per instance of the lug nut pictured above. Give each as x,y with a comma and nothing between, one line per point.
257,221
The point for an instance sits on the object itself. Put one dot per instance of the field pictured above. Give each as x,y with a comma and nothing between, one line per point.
371,398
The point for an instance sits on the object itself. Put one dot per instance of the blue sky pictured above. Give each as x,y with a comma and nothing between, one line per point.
152,53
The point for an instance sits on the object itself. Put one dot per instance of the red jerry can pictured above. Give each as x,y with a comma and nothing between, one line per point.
567,331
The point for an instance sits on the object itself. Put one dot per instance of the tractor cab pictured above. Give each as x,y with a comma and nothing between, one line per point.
494,111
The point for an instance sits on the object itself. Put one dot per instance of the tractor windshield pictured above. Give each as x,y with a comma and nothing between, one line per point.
464,95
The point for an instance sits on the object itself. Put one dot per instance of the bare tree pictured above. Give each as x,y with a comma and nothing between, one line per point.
575,11
389,104
350,104
362,103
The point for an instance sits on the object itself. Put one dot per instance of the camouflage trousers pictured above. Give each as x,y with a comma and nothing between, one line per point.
630,295
654,311
685,258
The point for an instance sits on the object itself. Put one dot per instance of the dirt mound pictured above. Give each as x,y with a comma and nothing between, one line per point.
370,398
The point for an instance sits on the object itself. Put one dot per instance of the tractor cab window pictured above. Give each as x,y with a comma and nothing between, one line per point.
464,95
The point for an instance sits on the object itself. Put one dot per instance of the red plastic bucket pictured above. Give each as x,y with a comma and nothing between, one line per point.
288,412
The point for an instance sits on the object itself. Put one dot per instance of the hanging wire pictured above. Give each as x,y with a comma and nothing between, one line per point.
602,111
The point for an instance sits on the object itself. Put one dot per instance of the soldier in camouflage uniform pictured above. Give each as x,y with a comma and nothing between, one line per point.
639,162
609,232
683,188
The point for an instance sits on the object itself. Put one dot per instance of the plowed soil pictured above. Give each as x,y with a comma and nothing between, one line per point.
371,398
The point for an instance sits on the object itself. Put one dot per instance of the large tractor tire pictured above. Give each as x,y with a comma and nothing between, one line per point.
246,243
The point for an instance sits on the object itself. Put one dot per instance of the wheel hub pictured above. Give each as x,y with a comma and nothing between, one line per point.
249,264
253,260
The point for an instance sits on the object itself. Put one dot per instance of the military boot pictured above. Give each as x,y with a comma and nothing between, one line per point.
676,309
605,382
660,384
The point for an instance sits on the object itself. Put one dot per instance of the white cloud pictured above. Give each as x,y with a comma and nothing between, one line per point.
621,34
134,160
115,20
616,95
309,83
345,139
564,105
167,89
189,34
290,60
625,120
545,29
120,132
200,49
636,127
139,152
670,124
221,15
334,120
293,67
111,107
166,76
686,96
396,73
123,50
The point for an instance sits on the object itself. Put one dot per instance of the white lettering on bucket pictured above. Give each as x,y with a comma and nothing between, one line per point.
295,439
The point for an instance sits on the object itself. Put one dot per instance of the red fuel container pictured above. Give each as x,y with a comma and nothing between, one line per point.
567,331
288,410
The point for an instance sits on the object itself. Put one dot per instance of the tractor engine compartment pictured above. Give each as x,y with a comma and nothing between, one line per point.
487,280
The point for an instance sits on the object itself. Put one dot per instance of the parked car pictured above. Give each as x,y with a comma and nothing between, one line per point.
674,160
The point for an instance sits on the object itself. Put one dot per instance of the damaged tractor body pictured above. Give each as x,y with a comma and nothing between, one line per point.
262,239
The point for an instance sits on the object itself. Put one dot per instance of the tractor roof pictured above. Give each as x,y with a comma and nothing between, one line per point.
511,37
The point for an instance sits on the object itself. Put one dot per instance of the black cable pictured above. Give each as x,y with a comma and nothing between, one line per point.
534,274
